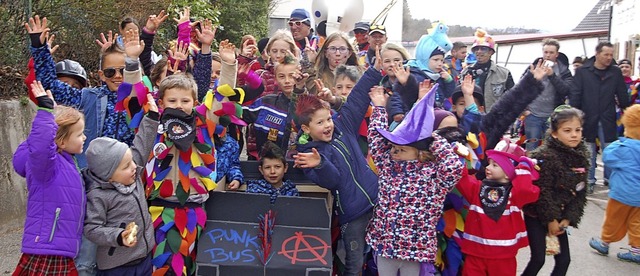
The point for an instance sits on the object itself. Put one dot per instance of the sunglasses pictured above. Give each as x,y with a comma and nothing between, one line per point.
111,72
297,23
482,50
377,27
359,31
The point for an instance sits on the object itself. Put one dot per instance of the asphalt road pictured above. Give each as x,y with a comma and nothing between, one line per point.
584,261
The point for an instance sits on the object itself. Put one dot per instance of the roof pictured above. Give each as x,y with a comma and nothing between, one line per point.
525,38
594,20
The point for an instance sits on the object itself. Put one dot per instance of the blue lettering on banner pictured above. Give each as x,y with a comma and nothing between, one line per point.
234,239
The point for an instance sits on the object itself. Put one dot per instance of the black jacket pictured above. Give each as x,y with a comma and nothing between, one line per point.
563,182
596,97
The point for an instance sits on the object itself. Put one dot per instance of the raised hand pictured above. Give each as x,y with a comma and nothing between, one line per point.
174,68
185,16
38,90
301,78
307,160
208,33
424,88
227,52
324,93
540,70
181,52
50,39
249,48
378,63
154,21
378,97
467,85
402,73
152,103
310,50
37,26
106,42
133,46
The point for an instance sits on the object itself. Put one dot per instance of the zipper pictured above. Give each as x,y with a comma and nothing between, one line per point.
144,223
82,201
338,202
350,169
55,223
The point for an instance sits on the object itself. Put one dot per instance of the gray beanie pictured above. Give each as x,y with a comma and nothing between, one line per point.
104,155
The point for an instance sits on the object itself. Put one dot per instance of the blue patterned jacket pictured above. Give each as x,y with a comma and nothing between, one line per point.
97,103
261,186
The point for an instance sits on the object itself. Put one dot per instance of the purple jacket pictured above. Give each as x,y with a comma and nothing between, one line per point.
56,199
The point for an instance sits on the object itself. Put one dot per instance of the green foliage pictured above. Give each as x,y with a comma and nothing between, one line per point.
241,17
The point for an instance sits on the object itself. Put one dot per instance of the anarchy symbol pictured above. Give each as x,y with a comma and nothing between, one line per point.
306,253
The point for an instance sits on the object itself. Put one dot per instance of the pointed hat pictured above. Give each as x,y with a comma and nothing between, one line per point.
417,124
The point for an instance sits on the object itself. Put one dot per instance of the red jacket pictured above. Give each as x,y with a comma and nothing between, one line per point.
484,237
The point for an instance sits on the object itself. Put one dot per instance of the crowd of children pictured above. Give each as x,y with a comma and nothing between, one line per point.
124,180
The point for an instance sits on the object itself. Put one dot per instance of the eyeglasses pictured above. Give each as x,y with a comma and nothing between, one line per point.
111,72
342,50
297,23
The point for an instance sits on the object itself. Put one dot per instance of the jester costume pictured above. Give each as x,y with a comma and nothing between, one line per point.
183,168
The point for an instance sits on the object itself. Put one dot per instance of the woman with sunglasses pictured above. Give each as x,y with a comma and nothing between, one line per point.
335,51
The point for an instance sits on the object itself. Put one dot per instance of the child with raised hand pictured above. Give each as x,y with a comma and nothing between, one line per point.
53,227
97,103
116,201
329,147
272,165
564,164
623,209
416,169
494,229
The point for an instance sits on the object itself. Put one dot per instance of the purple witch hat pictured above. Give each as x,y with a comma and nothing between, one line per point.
417,125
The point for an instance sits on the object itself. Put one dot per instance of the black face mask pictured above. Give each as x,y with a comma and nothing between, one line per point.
180,127
494,197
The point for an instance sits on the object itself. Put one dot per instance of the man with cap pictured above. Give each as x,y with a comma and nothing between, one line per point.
557,85
361,32
377,37
491,77
300,26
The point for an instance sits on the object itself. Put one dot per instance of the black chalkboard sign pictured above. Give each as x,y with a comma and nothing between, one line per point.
230,245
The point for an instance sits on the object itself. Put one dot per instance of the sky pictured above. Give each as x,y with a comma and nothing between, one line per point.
552,16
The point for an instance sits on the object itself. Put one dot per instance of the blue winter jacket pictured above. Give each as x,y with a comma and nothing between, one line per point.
343,168
622,157
56,198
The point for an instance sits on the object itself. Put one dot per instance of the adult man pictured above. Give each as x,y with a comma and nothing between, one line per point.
597,84
455,61
557,86
493,78
300,26
377,37
361,32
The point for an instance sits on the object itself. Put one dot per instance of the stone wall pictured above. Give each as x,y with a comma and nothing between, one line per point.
15,122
